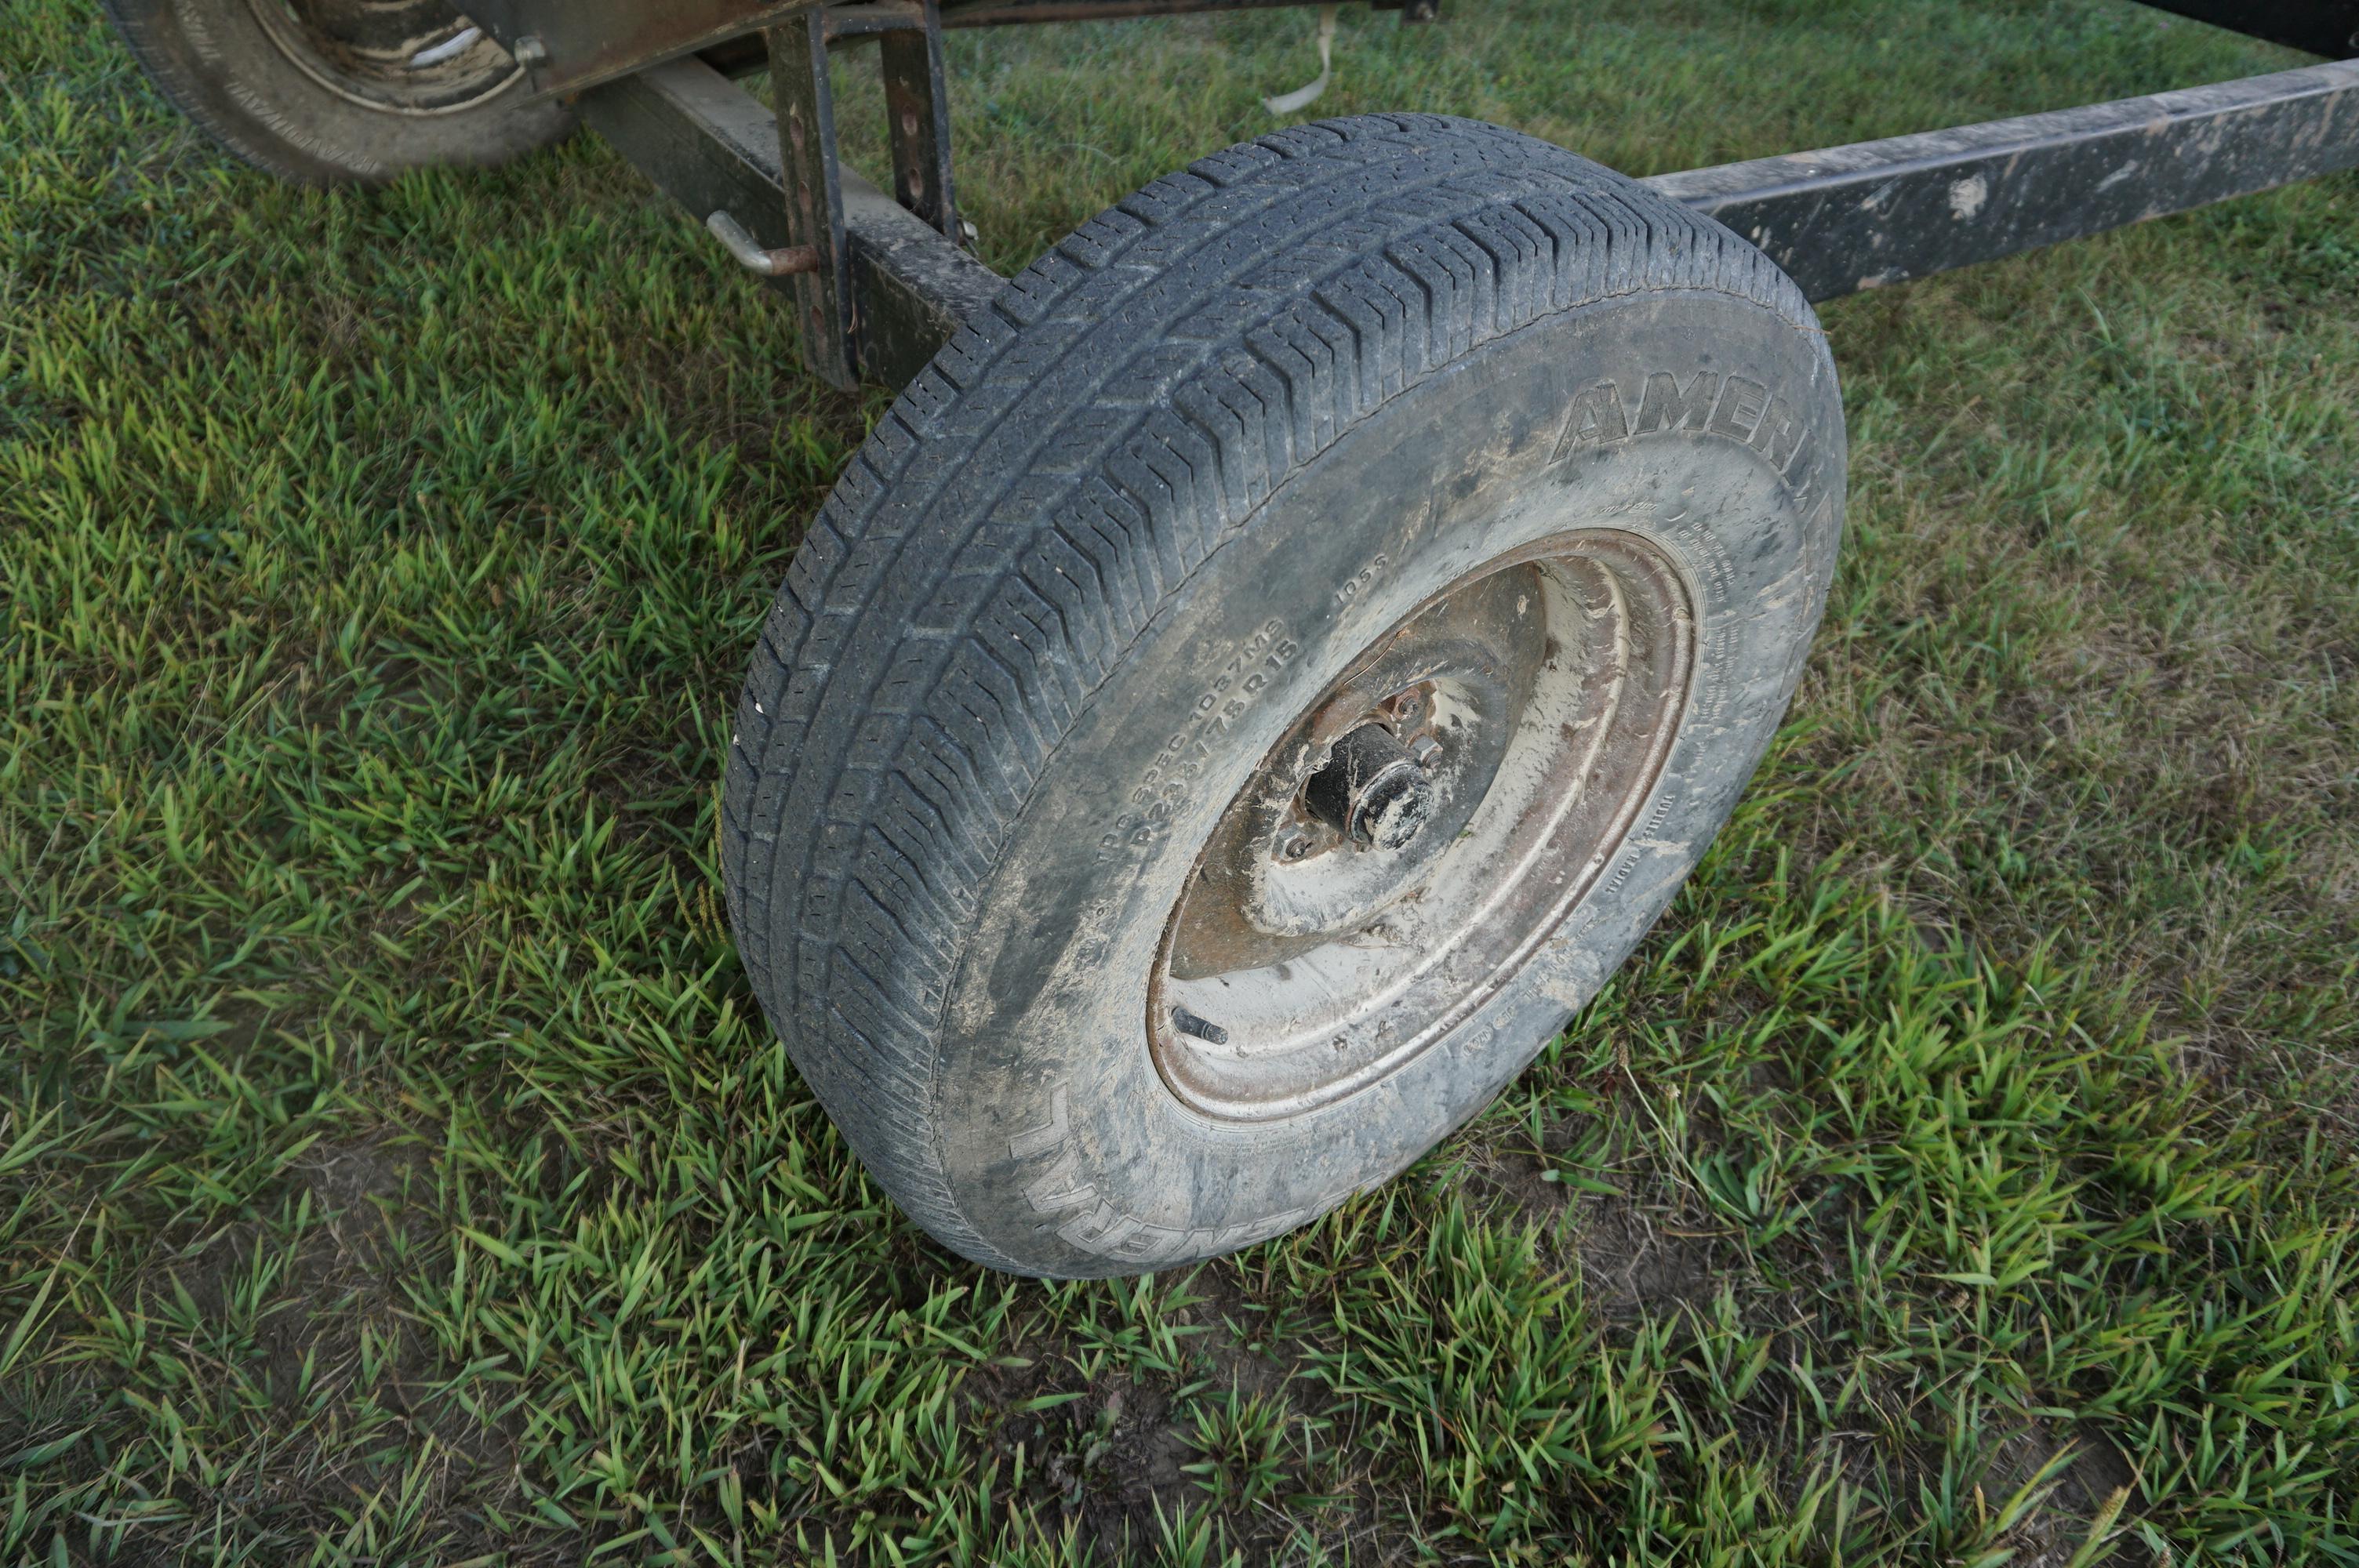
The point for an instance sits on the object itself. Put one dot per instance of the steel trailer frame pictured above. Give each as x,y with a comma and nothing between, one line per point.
882,280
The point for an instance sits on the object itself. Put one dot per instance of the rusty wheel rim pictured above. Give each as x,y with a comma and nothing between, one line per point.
1423,828
403,57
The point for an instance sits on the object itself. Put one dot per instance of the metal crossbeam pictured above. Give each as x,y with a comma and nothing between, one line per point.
1838,220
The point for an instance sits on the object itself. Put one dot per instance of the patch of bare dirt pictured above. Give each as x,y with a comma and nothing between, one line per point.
2058,1526
1108,1452
1633,1262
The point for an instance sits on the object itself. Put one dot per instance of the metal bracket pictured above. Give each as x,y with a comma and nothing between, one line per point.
698,138
807,155
918,111
817,256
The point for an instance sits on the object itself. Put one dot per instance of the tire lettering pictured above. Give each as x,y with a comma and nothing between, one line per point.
1594,419
1163,786
1735,406
1739,409
1667,407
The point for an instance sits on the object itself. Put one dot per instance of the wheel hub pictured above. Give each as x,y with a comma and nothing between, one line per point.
1422,826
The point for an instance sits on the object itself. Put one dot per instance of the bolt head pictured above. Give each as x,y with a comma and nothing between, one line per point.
531,51
1293,843
1427,750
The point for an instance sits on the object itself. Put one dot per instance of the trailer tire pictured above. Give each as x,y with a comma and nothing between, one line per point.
1381,525
331,92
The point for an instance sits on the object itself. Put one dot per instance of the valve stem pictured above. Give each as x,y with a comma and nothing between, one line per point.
1187,1022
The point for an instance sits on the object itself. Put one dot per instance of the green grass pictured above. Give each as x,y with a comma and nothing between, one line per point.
395,1168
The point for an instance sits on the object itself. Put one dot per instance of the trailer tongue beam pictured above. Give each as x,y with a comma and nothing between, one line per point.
1878,212
1838,220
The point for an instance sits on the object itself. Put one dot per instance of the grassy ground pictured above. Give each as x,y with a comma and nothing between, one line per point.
394,1167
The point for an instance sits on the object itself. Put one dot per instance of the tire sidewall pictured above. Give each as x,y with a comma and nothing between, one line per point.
1070,1155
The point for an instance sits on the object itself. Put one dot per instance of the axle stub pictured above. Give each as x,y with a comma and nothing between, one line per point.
1371,791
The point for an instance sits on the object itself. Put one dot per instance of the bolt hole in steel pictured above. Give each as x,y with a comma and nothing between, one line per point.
405,57
1423,827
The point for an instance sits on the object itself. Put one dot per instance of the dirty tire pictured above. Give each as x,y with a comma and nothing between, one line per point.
280,96
1101,558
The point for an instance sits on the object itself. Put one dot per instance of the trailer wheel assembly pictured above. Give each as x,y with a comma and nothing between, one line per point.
1264,676
329,91
1285,648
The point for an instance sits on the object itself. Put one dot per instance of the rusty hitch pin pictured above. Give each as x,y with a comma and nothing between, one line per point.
754,258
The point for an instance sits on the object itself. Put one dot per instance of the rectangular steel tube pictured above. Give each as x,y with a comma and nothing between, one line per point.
578,44
1874,213
700,138
1005,13
2330,27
